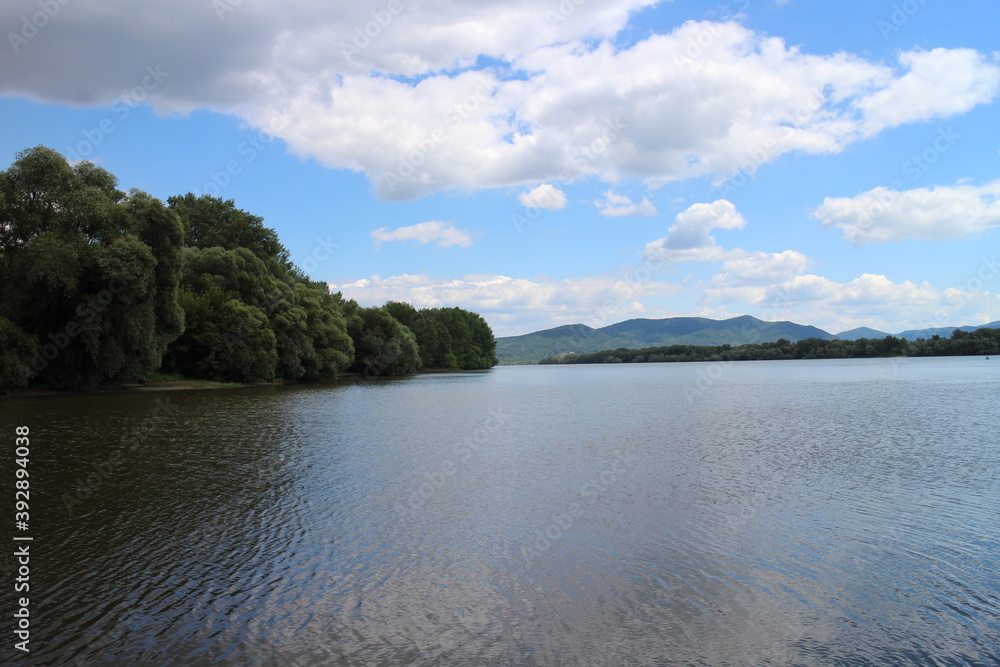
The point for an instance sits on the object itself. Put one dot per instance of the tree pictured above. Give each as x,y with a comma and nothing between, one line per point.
211,222
88,274
97,284
464,339
16,348
226,341
332,348
382,345
310,338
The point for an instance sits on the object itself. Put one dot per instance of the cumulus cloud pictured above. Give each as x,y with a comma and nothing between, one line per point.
441,233
516,305
940,82
882,215
762,268
868,300
616,206
228,54
690,238
544,196
398,94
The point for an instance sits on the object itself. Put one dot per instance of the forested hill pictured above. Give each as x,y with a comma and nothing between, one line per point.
98,285
982,341
691,331
639,333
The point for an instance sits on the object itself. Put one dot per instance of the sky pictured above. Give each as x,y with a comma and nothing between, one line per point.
556,162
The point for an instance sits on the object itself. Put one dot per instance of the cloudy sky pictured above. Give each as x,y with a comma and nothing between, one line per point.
552,162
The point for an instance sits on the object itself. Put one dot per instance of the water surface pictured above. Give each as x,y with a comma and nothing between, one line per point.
838,512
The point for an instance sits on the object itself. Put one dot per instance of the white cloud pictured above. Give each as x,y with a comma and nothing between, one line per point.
545,196
941,82
403,105
230,54
869,300
940,213
690,239
616,206
441,232
517,305
762,268
514,306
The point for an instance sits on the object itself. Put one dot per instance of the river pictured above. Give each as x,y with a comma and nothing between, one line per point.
828,512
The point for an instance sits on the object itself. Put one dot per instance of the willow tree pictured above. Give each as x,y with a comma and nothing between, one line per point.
382,344
88,274
251,314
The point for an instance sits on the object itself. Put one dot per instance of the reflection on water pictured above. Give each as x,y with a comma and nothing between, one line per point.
798,512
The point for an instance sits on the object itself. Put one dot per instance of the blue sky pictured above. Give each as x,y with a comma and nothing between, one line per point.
546,163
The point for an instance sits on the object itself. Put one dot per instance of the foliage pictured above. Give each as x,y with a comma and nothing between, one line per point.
226,341
211,222
99,285
306,334
448,338
16,348
382,345
642,333
88,274
985,341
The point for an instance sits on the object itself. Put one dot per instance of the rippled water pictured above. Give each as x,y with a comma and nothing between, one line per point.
756,513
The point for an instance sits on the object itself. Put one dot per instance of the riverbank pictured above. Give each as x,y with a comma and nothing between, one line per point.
182,384
129,388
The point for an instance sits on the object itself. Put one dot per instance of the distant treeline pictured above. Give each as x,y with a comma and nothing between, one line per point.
979,342
99,285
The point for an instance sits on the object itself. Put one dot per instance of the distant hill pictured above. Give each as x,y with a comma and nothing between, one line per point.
639,333
862,332
944,332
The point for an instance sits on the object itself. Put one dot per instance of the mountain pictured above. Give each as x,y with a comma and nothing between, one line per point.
531,347
944,332
862,332
639,333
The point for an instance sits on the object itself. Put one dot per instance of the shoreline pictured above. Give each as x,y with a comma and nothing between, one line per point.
179,385
33,392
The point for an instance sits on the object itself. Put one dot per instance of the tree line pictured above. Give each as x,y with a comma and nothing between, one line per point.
978,342
98,285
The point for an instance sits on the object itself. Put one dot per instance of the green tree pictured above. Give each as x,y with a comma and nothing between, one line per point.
227,340
16,348
332,347
211,222
88,274
382,345
464,339
310,335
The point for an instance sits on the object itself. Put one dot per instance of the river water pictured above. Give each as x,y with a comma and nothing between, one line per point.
829,512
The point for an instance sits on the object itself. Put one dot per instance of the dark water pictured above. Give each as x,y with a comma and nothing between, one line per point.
760,513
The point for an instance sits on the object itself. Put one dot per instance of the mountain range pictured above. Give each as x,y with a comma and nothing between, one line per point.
639,333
